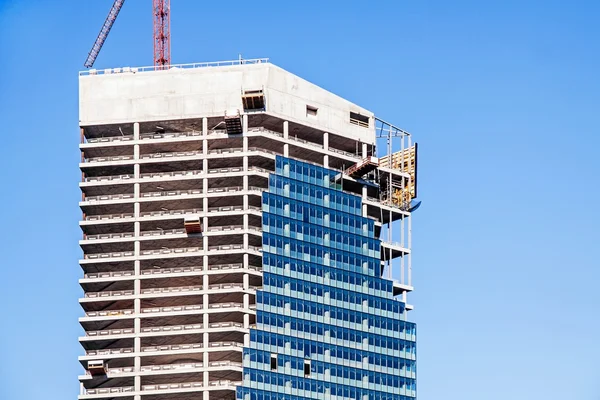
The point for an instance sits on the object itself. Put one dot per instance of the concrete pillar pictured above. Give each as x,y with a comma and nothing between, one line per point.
245,143
326,161
364,150
136,131
326,140
204,126
286,135
245,124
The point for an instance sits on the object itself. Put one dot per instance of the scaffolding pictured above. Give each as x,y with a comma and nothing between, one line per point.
397,177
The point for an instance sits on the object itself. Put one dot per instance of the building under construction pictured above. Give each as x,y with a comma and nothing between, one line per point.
246,235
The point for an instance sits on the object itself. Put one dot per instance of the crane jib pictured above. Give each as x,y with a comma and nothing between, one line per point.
108,23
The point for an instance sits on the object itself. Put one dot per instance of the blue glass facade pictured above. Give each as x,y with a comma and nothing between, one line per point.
327,325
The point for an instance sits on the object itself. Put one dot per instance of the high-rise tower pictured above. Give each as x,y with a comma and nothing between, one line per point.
244,237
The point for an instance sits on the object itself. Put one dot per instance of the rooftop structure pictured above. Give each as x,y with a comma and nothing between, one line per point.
244,237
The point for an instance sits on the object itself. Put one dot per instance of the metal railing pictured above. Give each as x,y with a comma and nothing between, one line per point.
123,389
171,212
110,332
152,175
169,135
174,270
179,250
111,158
170,154
106,352
105,217
108,139
114,274
105,197
173,386
94,256
172,328
108,178
176,66
178,289
104,236
109,313
109,293
153,310
163,232
171,193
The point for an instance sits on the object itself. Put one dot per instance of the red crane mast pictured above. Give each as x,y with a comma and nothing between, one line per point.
161,10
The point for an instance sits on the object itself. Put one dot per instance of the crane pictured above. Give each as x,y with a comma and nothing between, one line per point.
161,15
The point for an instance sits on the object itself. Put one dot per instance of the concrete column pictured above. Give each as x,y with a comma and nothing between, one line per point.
137,380
326,161
245,124
326,140
245,202
364,150
245,143
136,131
204,126
286,135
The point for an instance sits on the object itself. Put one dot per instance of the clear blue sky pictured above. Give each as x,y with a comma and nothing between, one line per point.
503,97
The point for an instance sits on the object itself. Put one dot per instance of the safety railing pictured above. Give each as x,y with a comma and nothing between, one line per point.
109,293
171,212
178,289
106,197
172,347
171,174
108,178
110,332
105,217
172,328
109,139
106,159
169,135
171,193
172,67
109,313
173,386
226,150
94,256
106,352
225,267
123,389
179,250
153,310
114,274
225,305
174,270
175,154
105,236
170,367
226,286
163,232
